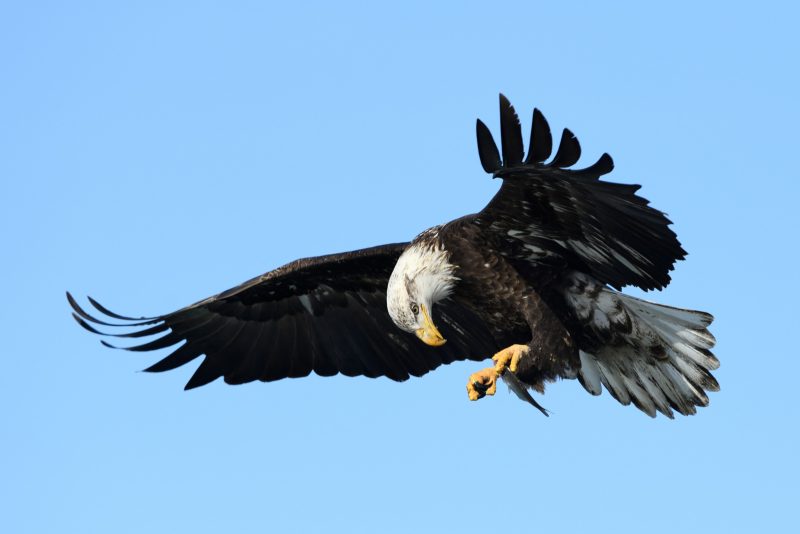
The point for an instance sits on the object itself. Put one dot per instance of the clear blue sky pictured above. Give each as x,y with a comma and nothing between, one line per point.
156,153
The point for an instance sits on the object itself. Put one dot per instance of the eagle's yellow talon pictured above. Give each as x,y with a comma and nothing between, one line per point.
482,383
509,357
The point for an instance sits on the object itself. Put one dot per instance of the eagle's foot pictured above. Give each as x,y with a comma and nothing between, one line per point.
482,383
509,357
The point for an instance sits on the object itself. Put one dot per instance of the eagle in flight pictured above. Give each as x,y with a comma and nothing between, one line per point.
533,281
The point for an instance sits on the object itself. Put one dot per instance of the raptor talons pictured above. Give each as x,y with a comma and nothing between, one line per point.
482,383
509,357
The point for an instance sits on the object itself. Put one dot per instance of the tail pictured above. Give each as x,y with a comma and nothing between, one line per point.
656,356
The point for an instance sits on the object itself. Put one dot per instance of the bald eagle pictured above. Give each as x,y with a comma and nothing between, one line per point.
533,281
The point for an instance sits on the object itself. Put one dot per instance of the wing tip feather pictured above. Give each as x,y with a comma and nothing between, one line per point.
540,146
487,148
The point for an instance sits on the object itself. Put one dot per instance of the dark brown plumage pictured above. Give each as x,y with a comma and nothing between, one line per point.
534,268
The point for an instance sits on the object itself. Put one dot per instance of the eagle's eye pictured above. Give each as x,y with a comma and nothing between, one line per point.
414,308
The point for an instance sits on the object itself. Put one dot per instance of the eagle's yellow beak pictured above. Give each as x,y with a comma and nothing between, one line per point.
429,334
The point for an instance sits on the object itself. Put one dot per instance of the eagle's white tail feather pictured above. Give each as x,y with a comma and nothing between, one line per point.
656,356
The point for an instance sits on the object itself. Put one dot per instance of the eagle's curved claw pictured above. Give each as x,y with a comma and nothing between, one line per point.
482,383
509,357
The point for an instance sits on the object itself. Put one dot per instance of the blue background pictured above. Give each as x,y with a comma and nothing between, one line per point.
156,153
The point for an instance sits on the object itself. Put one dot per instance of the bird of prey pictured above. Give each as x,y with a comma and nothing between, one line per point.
532,281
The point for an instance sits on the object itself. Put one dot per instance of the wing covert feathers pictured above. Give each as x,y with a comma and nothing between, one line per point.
547,211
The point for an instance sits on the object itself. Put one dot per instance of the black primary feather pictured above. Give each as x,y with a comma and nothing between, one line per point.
510,134
487,149
540,145
569,150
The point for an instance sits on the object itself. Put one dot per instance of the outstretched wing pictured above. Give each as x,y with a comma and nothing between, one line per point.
325,315
547,212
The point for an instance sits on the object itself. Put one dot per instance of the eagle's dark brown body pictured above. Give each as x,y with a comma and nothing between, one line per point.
508,301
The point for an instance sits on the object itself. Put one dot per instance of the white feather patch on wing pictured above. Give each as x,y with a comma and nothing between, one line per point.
590,373
656,356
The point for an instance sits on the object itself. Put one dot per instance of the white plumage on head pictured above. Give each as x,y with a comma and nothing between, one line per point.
423,275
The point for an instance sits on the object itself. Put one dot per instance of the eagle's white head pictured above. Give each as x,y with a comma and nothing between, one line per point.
422,277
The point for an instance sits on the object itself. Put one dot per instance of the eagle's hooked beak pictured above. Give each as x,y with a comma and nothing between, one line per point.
429,334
